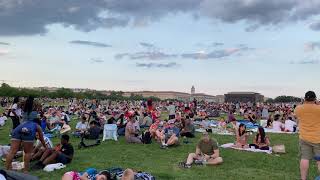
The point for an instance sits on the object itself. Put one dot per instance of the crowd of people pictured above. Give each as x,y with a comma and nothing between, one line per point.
142,122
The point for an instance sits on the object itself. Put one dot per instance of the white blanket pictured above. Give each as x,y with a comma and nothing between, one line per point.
230,145
273,131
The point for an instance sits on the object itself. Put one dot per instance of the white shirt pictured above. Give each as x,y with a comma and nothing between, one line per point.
289,124
14,107
81,126
277,125
2,121
46,140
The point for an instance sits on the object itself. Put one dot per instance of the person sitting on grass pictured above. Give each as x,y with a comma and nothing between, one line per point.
132,132
39,149
90,174
62,153
207,152
277,125
290,125
261,141
81,126
24,134
121,124
241,137
188,129
205,124
170,136
147,120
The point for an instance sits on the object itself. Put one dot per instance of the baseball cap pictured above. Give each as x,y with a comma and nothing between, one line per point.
310,96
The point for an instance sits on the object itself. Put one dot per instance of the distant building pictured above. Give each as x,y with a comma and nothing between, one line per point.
244,97
193,90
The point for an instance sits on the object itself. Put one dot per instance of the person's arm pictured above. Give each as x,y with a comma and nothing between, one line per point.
198,151
39,130
267,141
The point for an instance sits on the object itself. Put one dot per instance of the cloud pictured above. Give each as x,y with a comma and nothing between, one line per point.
4,52
4,43
311,46
149,55
90,43
304,62
30,17
157,65
96,60
217,54
215,44
315,26
147,45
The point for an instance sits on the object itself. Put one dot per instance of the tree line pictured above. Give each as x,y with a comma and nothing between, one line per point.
8,91
284,99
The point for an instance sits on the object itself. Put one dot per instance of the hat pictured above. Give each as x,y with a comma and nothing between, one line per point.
310,96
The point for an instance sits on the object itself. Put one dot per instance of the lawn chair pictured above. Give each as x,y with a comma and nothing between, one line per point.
110,132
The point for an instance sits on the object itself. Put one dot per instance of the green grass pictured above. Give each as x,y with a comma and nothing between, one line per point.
163,163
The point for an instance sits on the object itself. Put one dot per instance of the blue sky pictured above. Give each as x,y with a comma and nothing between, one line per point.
268,47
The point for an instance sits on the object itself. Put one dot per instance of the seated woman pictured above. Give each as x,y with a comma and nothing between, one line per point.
88,175
241,137
121,124
222,124
277,125
188,129
205,124
261,141
290,125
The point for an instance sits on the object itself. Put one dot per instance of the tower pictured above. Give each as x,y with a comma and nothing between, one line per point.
193,90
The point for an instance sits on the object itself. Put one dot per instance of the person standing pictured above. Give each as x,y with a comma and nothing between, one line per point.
25,134
15,113
309,138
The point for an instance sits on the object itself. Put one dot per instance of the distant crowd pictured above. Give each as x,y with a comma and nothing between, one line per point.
164,122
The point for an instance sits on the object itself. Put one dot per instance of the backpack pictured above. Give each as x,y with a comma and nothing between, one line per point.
146,137
115,172
144,176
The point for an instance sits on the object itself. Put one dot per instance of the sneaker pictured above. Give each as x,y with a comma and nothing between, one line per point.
184,165
198,162
163,147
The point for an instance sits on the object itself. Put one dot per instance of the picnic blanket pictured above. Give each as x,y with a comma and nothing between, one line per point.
273,131
230,145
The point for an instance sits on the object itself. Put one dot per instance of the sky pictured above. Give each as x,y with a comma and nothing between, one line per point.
271,47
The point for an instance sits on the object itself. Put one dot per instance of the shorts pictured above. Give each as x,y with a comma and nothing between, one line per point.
62,158
308,150
172,117
17,135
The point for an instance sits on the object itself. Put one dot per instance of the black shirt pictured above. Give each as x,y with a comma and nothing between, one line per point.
67,149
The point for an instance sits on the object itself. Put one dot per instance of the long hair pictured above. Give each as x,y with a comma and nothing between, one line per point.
28,106
262,135
242,133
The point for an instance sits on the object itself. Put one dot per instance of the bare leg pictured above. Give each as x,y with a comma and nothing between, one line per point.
191,158
67,177
51,159
46,154
215,161
38,154
304,167
173,140
15,145
27,148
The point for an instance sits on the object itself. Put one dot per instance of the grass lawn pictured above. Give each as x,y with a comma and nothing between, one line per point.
163,163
